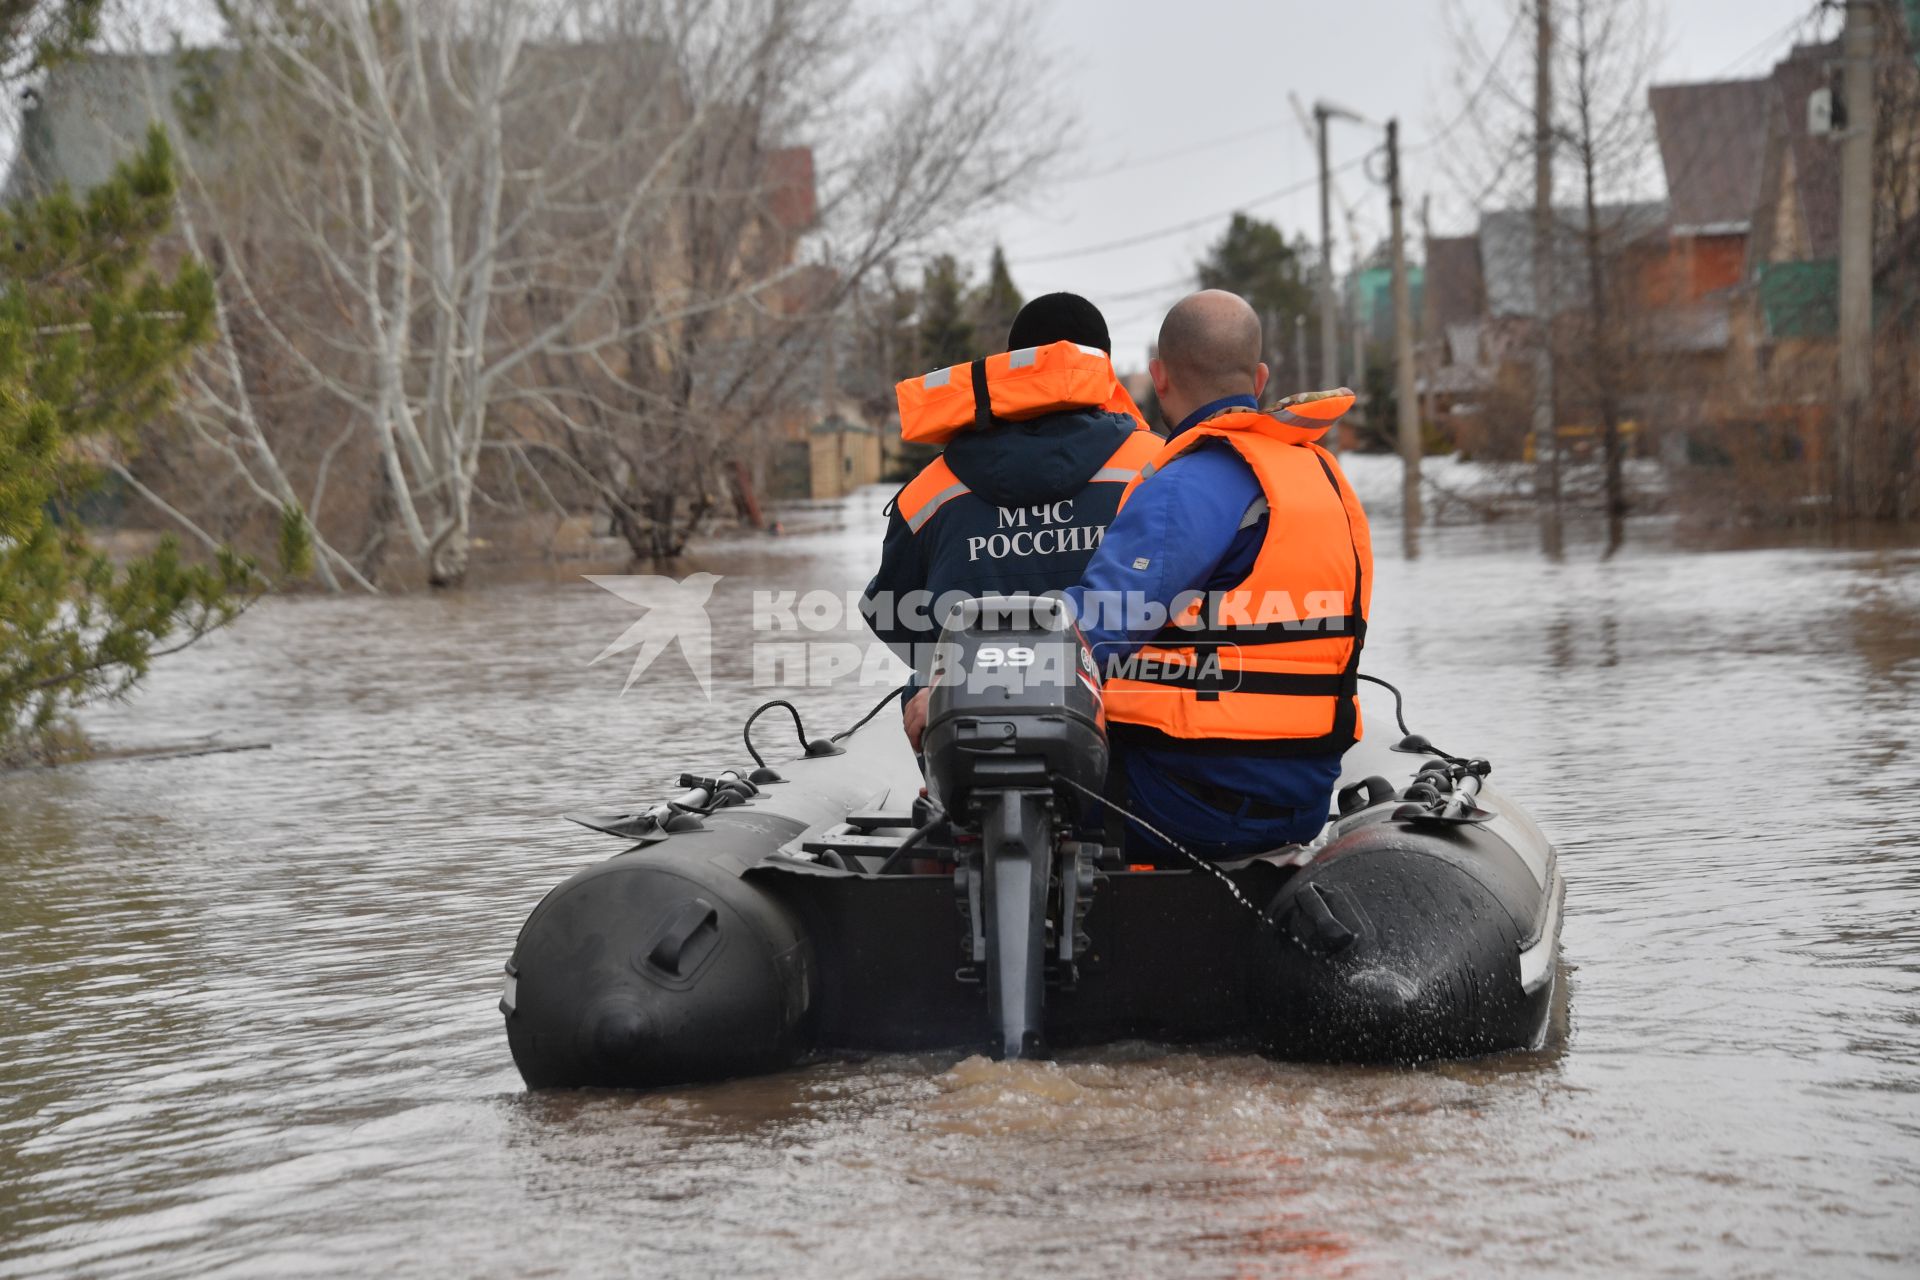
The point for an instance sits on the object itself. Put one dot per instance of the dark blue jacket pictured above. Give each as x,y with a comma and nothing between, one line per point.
1034,501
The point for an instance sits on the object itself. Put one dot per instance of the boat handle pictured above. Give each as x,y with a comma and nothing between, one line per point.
689,918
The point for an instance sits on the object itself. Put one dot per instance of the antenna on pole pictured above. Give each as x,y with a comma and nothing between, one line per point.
1323,113
1358,378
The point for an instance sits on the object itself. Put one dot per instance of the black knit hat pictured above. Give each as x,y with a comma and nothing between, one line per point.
1059,317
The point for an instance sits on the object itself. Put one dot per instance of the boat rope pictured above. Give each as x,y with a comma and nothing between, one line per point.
861,723
1398,715
1424,744
746,730
1204,864
800,728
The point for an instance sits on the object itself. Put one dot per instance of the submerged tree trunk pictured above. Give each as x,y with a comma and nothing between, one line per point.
447,565
1546,436
1603,368
1601,364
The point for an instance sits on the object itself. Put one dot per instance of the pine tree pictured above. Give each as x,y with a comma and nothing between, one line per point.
946,332
995,306
1254,260
92,338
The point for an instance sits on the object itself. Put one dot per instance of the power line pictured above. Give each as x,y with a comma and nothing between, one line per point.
1174,153
1270,197
1136,316
1160,233
1791,31
1185,281
1473,99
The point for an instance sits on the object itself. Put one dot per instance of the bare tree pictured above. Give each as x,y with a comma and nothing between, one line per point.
795,193
400,171
249,481
598,240
1608,129
1603,54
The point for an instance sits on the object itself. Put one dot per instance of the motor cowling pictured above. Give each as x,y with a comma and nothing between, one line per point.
1015,701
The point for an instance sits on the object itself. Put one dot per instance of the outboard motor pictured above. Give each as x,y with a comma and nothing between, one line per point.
1016,705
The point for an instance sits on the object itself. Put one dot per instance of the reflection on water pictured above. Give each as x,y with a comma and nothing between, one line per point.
249,1009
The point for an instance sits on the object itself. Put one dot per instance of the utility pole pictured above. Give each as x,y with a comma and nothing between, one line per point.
1329,344
1300,352
830,407
1546,444
1428,337
1323,114
1406,390
1360,336
1856,256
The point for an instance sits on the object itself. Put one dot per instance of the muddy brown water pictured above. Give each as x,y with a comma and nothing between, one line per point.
247,1019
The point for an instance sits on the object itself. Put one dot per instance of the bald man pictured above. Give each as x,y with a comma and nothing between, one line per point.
1227,604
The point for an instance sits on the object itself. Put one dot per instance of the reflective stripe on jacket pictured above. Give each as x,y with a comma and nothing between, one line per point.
936,485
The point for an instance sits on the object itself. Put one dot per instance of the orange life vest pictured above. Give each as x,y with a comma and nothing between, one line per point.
1017,385
1268,666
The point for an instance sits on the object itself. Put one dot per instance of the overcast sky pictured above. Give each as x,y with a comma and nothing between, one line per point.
1184,114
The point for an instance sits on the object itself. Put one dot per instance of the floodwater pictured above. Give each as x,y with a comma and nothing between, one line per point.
248,999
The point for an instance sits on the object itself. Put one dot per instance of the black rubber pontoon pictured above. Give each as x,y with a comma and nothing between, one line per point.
760,918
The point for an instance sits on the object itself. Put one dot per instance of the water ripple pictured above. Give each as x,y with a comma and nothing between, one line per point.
249,1009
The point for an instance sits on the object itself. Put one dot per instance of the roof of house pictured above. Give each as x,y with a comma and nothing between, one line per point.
1812,161
1713,139
1506,252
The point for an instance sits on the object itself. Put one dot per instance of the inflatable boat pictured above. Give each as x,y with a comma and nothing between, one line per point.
844,903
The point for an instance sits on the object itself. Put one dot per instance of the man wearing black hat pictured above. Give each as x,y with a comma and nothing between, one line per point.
1015,504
